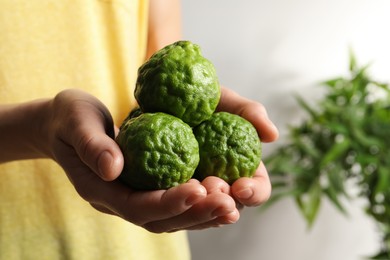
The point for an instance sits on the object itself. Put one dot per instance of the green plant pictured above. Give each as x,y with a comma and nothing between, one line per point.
345,138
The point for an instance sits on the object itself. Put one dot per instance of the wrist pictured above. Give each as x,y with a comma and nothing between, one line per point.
40,123
24,129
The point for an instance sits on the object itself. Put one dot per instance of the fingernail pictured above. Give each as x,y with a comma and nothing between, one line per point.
244,194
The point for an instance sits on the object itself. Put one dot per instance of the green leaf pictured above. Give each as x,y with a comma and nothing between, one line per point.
383,183
334,198
384,86
337,179
362,138
338,128
306,106
307,148
365,159
335,152
333,82
360,75
332,108
309,203
352,60
383,255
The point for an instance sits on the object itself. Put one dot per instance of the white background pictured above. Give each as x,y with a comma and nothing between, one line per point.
268,51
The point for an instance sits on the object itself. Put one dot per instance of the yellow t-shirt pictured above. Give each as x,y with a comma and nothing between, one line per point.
47,46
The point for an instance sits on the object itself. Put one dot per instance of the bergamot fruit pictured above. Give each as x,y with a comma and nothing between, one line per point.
229,147
160,151
179,81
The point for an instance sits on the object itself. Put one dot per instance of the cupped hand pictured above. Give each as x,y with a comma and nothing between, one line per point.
80,134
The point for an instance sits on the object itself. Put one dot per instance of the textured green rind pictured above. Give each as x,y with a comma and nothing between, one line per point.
179,81
160,151
229,147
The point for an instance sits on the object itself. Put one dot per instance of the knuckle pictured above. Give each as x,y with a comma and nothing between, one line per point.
84,145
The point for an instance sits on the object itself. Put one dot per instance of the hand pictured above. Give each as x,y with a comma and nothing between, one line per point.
80,134
250,191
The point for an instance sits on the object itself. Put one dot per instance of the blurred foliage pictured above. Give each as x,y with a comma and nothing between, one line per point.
345,140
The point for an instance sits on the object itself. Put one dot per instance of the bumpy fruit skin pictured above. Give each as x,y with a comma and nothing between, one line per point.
179,81
229,147
160,151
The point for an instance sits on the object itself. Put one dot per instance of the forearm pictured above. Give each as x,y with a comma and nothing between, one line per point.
164,24
22,130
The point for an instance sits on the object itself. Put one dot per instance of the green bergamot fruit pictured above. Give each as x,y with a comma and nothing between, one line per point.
179,81
160,151
229,147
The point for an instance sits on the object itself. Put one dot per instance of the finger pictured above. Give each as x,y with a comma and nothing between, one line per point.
164,204
252,111
213,206
227,219
214,184
138,207
253,191
193,181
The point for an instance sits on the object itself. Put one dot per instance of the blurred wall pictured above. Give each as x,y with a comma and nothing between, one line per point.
269,50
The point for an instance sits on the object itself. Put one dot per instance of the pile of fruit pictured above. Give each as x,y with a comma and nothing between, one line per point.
176,134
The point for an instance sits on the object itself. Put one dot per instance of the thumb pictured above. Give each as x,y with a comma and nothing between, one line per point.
97,147
102,155
90,131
